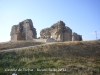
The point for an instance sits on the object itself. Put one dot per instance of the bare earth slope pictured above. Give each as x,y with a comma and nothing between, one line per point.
63,58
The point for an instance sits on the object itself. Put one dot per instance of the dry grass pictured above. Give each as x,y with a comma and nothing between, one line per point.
17,44
78,58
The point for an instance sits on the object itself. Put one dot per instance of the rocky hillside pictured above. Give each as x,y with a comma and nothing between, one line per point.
63,58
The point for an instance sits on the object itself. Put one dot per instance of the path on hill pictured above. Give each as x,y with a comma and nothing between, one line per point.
26,47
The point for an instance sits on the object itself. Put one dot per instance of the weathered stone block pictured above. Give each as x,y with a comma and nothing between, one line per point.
76,37
57,31
23,31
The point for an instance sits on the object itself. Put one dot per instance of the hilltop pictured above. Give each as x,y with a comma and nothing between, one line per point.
18,44
61,58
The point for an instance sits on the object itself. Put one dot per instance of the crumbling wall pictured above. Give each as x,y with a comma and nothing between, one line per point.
23,31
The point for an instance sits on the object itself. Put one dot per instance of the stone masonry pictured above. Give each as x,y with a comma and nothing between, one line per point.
57,32
76,37
23,31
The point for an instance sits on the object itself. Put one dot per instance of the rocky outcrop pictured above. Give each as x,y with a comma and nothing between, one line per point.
57,31
23,31
76,37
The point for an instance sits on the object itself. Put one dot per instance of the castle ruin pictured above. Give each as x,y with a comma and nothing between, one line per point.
23,31
57,32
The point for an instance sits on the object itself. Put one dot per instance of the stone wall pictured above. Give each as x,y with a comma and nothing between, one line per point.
23,31
76,37
68,34
50,40
57,31
39,40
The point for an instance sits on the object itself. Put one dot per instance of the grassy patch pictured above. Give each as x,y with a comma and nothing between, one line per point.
64,58
17,44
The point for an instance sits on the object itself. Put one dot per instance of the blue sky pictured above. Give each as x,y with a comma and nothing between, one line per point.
82,16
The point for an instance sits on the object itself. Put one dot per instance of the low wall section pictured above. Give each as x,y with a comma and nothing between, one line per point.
39,40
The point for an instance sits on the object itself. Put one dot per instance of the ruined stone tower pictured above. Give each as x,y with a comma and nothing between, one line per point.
23,31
